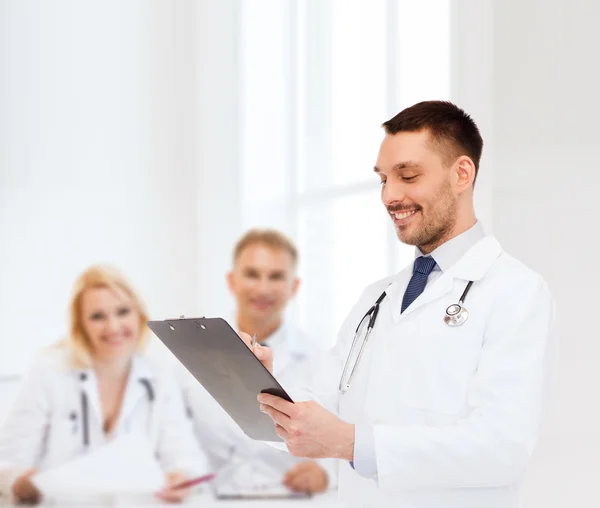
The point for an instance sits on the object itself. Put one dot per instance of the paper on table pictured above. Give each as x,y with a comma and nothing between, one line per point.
250,479
126,465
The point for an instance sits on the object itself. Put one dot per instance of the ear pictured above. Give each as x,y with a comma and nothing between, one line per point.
230,282
295,286
464,173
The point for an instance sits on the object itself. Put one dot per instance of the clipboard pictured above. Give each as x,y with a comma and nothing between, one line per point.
224,365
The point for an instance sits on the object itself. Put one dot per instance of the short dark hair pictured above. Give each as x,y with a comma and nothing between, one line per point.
452,130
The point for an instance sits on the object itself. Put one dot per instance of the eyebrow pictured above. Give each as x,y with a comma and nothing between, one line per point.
400,165
249,269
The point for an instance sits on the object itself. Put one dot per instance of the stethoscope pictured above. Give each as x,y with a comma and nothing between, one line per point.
455,315
85,408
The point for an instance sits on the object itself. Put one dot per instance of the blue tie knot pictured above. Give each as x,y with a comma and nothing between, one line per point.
424,265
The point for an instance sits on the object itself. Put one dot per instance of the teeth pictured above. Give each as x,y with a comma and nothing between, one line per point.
404,215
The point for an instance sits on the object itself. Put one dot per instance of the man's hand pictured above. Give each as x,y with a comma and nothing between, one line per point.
308,477
264,354
24,490
308,429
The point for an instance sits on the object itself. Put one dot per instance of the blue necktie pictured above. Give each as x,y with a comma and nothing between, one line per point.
421,270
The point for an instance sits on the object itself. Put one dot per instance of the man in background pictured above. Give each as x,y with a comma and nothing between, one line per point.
263,281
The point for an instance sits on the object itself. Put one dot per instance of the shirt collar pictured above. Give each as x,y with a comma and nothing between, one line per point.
276,339
140,369
453,250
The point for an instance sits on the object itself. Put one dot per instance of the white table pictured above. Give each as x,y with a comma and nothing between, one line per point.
203,499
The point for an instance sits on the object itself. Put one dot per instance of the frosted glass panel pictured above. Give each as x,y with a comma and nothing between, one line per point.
344,246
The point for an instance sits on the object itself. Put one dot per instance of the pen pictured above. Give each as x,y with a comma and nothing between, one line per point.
192,482
254,340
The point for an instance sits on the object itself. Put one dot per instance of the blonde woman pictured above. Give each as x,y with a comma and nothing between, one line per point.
93,387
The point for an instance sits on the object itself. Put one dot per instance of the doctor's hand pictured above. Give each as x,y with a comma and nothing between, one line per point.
174,495
308,429
308,477
24,490
264,354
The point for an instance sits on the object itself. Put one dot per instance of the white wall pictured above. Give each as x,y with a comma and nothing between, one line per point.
472,80
526,71
216,104
546,211
93,166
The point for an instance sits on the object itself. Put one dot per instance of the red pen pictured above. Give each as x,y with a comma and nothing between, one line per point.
194,481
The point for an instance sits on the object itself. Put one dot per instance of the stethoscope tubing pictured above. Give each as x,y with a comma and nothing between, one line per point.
85,408
372,315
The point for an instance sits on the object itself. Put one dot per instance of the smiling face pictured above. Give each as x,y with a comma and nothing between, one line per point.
263,281
111,323
418,189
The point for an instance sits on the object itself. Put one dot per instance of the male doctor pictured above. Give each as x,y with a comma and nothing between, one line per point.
443,408
263,281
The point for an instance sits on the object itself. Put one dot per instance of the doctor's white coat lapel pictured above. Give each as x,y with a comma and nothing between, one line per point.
140,389
136,393
418,354
328,369
471,267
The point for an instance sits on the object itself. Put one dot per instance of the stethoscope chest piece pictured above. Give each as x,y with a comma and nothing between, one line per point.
456,315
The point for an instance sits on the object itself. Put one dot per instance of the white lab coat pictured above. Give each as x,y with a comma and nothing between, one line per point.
45,426
454,413
226,444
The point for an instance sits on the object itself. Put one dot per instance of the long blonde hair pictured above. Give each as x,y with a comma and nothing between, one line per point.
99,276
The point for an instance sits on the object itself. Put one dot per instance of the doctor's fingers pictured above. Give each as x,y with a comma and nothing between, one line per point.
299,483
278,417
296,444
281,405
285,435
310,481
301,468
24,489
247,339
173,496
264,354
